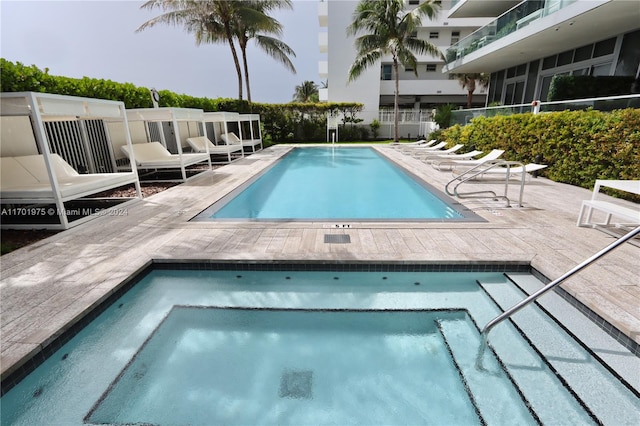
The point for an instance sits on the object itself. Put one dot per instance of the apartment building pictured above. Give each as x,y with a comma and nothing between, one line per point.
528,42
375,87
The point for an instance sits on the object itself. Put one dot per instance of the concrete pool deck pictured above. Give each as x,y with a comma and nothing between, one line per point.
46,287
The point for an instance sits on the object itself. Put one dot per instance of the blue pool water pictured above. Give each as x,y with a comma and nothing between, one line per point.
336,183
292,347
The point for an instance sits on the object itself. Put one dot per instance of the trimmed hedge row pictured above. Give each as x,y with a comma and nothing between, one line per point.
292,122
578,146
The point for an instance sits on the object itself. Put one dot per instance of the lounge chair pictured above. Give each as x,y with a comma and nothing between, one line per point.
200,144
425,153
25,179
421,143
450,157
496,171
420,148
231,138
152,156
613,208
449,163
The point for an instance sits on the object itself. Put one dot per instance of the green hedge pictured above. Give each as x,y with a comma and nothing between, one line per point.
578,146
291,122
564,87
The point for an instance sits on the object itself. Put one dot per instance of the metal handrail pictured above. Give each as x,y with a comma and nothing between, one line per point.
481,169
515,308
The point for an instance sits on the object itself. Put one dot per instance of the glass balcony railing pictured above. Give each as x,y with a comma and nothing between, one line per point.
512,20
609,103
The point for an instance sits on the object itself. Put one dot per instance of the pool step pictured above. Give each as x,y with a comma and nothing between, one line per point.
563,355
492,392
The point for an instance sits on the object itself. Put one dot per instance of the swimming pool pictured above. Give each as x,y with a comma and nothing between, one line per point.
315,183
243,346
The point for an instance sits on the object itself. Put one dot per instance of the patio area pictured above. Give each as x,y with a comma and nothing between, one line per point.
48,286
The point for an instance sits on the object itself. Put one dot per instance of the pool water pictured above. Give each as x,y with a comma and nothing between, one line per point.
336,183
304,347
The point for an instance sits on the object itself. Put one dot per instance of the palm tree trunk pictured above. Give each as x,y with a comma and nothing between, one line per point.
243,49
469,98
235,61
396,139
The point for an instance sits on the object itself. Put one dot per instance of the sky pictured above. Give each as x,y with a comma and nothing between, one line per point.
97,39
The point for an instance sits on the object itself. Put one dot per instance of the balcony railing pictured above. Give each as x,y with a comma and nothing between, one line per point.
512,20
404,116
609,103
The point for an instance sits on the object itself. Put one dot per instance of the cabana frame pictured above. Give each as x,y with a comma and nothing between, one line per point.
250,140
174,116
43,107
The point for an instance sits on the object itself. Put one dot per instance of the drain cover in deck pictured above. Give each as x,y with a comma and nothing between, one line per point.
337,238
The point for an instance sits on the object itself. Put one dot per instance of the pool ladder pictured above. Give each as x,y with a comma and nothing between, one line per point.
515,308
476,172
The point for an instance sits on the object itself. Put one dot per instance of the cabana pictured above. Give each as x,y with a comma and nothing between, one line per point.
250,132
58,159
225,127
159,154
217,125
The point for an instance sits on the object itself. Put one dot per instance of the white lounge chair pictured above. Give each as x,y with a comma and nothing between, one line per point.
199,144
448,163
501,170
25,179
427,153
450,157
231,138
420,148
152,156
613,208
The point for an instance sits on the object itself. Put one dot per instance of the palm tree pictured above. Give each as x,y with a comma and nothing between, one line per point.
306,92
254,21
470,81
390,30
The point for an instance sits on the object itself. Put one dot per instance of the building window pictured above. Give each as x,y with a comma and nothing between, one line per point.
386,72
455,37
434,34
431,67
414,2
408,68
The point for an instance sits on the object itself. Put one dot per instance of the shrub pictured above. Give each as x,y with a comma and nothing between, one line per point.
281,123
578,146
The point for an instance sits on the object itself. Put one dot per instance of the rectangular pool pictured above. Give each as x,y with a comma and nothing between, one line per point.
316,183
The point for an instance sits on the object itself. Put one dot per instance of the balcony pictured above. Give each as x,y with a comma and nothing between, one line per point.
323,69
480,8
509,22
323,95
323,14
323,41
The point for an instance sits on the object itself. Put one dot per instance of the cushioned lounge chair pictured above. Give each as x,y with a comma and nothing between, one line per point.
231,138
25,179
154,156
199,144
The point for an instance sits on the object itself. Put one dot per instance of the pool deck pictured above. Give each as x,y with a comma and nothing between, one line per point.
48,286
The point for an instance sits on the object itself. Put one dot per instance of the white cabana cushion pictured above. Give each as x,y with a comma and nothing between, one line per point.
155,156
26,177
199,144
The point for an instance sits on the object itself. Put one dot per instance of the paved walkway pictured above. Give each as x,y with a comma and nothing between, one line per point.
46,287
